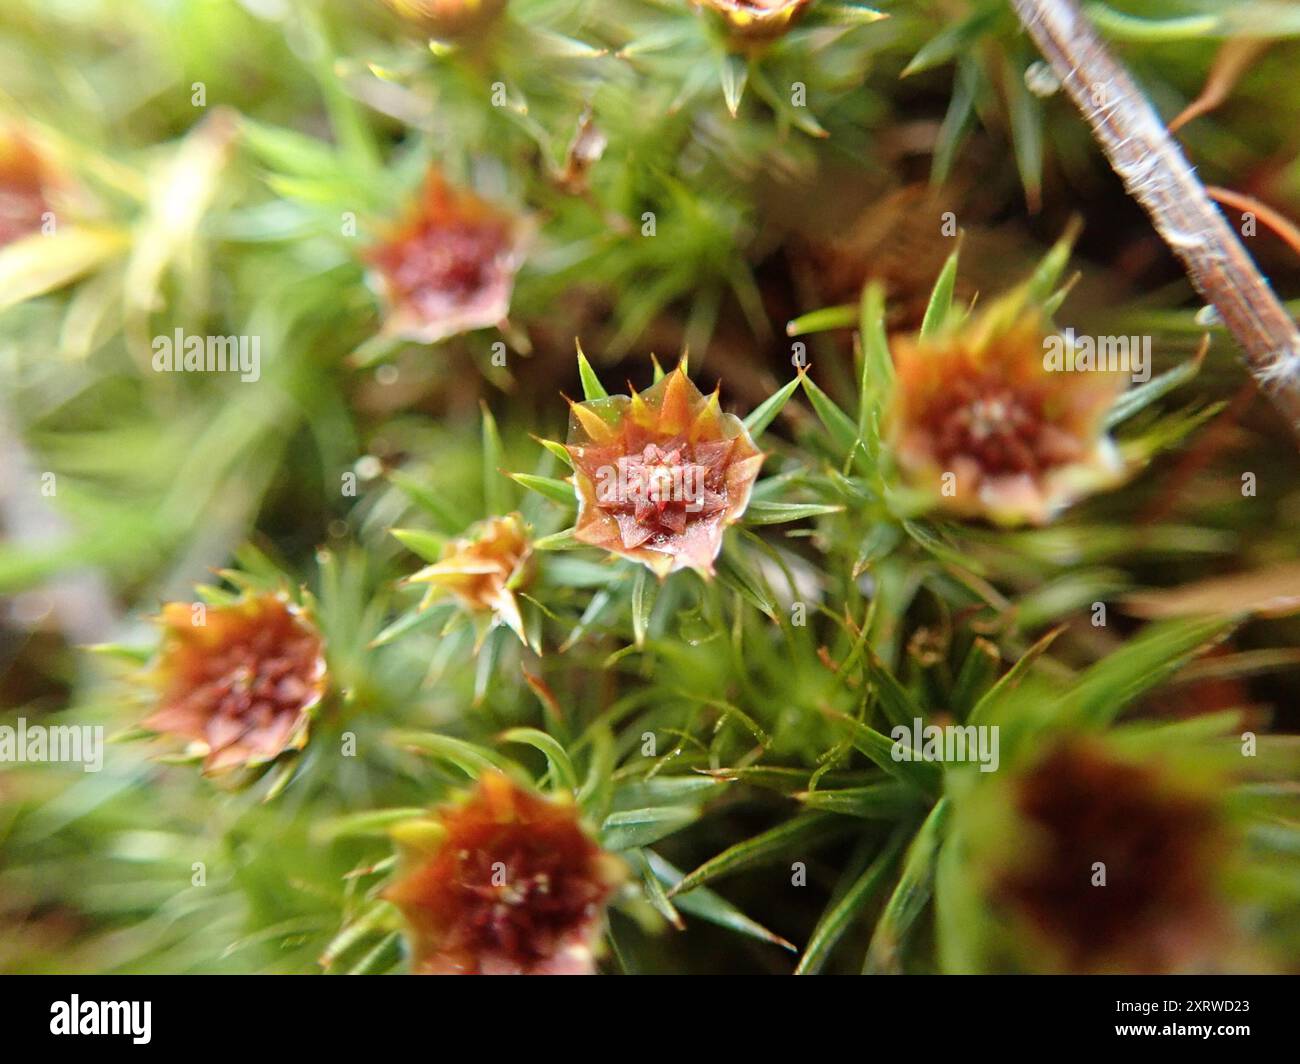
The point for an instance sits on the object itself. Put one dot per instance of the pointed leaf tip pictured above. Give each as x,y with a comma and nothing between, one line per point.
591,386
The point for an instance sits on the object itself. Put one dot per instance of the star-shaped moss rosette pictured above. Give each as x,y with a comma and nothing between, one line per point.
982,422
756,21
23,179
992,415
483,570
449,19
241,682
450,267
505,882
978,422
660,475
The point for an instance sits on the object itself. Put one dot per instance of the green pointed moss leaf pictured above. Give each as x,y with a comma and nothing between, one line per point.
563,540
1142,396
486,662
557,449
494,486
876,801
931,540
940,305
428,545
368,921
961,109
735,73
38,264
910,895
988,702
899,705
553,488
840,916
561,766
765,413
878,748
878,543
448,520
877,362
600,602
630,828
1048,272
1272,20
591,386
776,513
838,424
978,672
852,14
654,890
383,957
955,40
1026,130
411,620
666,790
815,321
287,151
130,655
708,906
644,590
470,758
735,572
1139,665
806,830
558,46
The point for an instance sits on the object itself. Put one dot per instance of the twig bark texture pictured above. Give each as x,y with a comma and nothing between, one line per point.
1157,174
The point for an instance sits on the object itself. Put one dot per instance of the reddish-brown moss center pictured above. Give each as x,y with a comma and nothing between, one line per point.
261,672
1084,808
443,262
1001,428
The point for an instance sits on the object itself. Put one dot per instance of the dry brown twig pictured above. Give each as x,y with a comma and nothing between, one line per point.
1157,174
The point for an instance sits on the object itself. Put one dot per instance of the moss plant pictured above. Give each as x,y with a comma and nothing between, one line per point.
899,578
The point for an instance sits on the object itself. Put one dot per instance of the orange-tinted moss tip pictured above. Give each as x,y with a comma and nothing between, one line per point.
482,570
660,474
978,422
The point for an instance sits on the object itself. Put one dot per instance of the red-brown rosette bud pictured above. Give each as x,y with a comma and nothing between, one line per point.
1157,840
241,681
504,883
450,267
981,423
661,474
